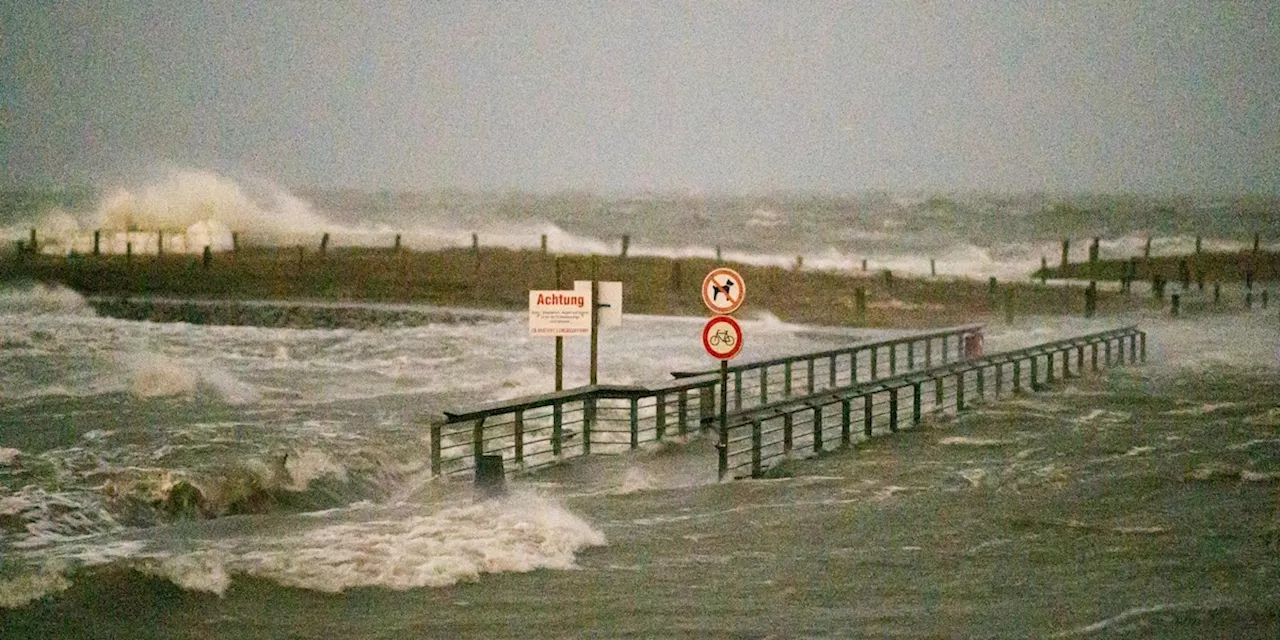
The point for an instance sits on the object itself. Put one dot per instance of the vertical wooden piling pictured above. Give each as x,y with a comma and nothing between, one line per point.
1066,250
235,241
1198,239
933,268
1044,270
864,264
626,244
160,243
34,248
208,257
324,244
1146,249
543,243
1093,250
1217,292
1091,299
397,246
97,242
1174,301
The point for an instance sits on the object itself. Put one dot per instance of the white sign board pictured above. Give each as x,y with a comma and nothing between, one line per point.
610,294
560,313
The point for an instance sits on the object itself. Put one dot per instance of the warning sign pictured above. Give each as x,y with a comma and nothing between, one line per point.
560,313
722,337
723,290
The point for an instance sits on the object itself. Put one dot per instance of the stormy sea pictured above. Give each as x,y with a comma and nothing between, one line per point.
179,480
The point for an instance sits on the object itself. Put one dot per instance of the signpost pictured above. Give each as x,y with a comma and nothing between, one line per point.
576,312
723,291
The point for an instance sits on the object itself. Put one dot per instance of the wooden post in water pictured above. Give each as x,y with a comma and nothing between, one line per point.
397,247
1198,240
1173,304
1091,299
1066,249
1257,239
799,262
1217,292
324,244
1093,250
544,244
1044,270
35,248
1146,250
1184,274
97,242
128,251
207,258
864,264
235,241
626,244
933,268
160,242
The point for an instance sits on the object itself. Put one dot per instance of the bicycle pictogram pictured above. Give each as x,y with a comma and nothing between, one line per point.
720,337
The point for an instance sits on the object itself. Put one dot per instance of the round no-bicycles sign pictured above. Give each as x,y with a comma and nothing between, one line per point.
722,337
723,290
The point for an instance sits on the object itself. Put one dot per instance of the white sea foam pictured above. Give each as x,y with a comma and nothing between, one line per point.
312,464
20,590
518,534
42,299
973,442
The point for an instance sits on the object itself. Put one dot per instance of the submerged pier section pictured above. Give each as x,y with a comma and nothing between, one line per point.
778,409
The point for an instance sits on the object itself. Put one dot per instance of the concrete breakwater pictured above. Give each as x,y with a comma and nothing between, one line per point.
294,315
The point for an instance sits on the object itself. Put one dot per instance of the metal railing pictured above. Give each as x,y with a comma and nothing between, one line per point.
535,431
756,440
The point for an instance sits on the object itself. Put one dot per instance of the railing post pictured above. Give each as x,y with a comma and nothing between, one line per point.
1048,369
588,417
999,379
911,355
1035,373
1017,376
937,393
817,429
1080,360
1106,343
866,414
1093,356
786,433
764,385
737,389
959,392
893,359
660,416
756,445
635,422
853,367
845,420
893,410
945,355
982,392
1133,349
1142,342
786,379
915,404
557,428
518,434
477,441
831,373
874,373
810,373
928,352
683,405
436,440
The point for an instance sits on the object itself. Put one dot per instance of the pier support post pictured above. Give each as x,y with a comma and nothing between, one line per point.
1093,250
626,244
1174,301
97,242
324,244
1066,249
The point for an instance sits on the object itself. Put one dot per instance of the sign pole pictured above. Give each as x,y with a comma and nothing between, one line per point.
559,342
723,445
595,331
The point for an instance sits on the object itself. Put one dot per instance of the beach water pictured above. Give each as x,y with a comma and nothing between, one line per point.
175,480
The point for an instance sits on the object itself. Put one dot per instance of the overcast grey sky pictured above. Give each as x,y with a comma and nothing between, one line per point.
1160,96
